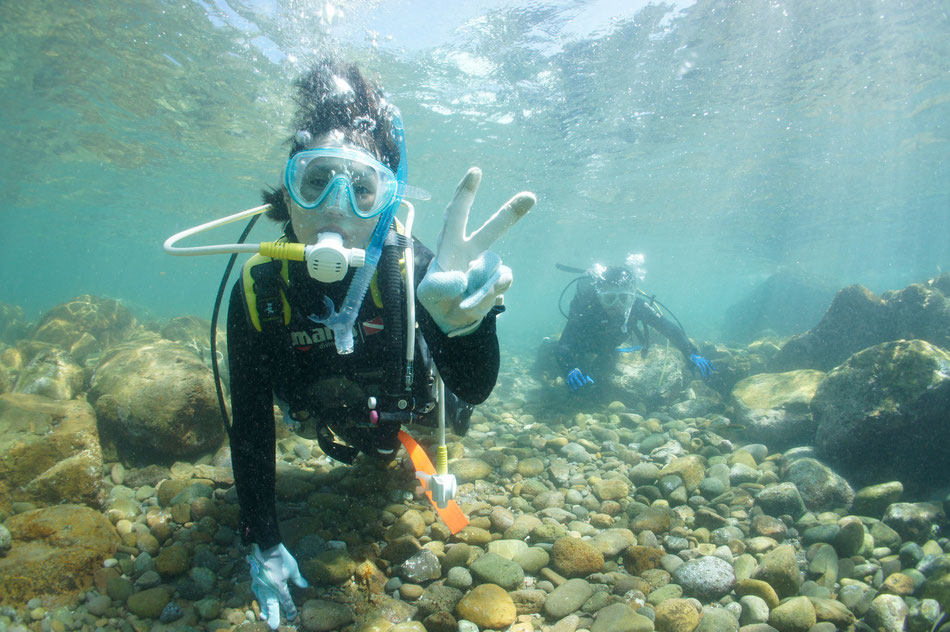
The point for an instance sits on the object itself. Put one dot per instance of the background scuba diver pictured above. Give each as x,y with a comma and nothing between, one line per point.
606,309
342,185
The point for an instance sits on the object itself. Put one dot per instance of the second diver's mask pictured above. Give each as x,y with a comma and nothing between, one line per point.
616,288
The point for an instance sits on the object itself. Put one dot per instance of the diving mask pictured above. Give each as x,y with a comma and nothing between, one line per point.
613,299
615,286
340,177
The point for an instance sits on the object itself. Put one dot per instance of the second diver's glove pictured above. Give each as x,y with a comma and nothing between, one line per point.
576,379
704,366
271,569
466,279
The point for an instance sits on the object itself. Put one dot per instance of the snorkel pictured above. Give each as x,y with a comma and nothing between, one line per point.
341,322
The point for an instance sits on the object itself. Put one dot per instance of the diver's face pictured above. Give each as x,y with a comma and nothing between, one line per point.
333,215
615,301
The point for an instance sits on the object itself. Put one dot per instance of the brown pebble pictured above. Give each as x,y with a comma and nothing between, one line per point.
411,592
898,584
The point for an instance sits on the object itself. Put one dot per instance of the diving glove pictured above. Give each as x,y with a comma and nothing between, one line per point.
704,366
270,571
466,279
577,380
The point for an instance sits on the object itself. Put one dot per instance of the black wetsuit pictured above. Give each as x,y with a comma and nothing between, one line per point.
592,334
299,363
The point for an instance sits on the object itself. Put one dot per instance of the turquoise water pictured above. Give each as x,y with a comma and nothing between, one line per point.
724,140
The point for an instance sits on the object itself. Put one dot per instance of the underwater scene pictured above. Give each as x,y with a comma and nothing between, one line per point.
494,316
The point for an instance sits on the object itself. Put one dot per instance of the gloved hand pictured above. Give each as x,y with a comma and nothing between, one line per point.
270,571
705,366
465,279
577,380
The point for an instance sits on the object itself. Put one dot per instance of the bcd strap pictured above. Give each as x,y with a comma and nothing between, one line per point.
265,293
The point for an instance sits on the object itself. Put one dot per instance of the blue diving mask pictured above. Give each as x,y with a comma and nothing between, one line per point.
341,177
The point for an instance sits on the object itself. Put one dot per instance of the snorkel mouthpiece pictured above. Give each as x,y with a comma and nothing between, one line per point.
341,322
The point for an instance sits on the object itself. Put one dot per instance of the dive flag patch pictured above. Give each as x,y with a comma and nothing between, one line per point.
374,326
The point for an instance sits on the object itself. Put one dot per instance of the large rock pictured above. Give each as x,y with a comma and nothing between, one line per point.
49,451
658,378
13,325
774,407
882,415
195,333
857,319
85,325
787,303
922,311
55,552
51,373
156,400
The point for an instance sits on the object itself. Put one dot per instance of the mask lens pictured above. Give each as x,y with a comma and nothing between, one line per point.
314,181
363,186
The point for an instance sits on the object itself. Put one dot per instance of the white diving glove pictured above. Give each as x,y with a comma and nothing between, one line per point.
465,279
270,571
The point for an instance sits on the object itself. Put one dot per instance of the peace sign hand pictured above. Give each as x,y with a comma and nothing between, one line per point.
465,279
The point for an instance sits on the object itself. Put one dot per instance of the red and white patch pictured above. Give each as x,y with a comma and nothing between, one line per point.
374,326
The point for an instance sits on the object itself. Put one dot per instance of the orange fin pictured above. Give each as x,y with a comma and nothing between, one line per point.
452,515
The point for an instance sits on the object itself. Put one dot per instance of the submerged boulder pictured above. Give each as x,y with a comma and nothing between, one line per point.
55,553
858,319
156,400
658,378
773,408
195,333
85,325
882,415
788,302
49,451
51,373
13,325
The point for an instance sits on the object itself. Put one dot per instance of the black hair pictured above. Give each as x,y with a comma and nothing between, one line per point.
336,96
613,277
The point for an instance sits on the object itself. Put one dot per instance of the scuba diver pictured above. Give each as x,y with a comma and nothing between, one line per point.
607,307
325,320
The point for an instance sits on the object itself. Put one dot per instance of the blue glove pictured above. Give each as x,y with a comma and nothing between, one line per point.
270,571
705,366
576,380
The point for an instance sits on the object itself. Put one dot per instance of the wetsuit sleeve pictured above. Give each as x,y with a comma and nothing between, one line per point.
468,364
649,315
252,433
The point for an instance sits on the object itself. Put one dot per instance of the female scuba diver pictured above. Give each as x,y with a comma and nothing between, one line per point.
326,323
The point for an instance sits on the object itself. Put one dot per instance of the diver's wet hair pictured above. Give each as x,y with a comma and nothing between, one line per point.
335,96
